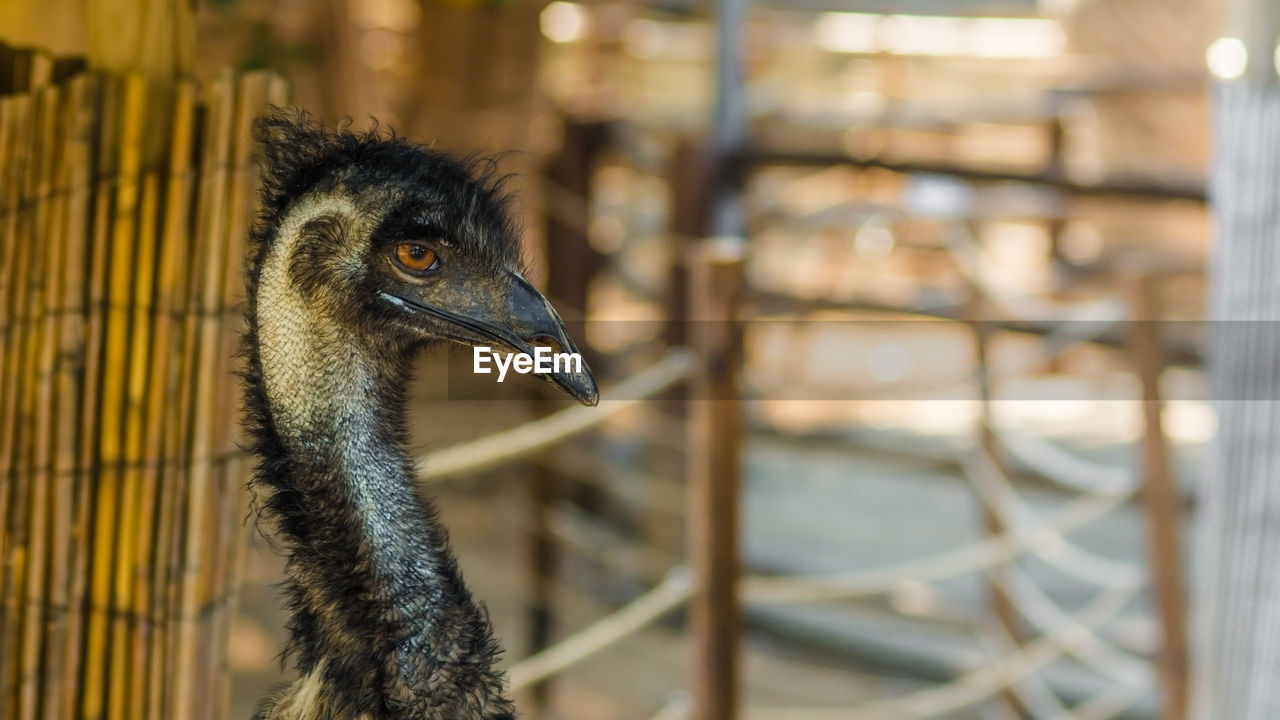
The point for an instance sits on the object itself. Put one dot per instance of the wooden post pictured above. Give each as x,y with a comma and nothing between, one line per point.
1159,498
571,262
715,470
690,180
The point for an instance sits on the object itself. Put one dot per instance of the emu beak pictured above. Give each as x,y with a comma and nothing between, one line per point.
518,318
533,322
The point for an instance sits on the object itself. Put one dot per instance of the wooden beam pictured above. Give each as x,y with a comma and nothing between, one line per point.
715,471
1120,188
1160,499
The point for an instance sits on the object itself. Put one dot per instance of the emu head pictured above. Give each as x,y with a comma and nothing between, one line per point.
397,245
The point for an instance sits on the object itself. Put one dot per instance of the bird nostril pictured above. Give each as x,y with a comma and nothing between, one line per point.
548,342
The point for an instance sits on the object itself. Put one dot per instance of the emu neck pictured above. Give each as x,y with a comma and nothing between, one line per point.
382,624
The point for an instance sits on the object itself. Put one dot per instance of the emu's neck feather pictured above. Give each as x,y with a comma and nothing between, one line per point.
382,623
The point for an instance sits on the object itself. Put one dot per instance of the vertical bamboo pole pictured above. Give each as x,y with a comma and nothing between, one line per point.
8,259
90,621
141,456
715,469
140,482
178,437
184,386
26,543
114,505
106,101
56,393
11,424
191,690
38,446
9,253
78,154
128,622
163,418
1160,498
254,92
9,248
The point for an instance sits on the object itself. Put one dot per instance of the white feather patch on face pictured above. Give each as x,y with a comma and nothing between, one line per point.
297,369
318,380
320,383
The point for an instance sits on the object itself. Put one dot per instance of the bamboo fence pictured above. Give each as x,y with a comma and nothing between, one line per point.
124,208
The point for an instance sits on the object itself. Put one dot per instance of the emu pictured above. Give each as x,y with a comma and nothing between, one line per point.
366,250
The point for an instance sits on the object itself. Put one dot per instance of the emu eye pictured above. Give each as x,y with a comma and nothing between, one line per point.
416,257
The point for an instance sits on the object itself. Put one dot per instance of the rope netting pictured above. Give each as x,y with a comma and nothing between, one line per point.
1099,490
666,596
977,685
1059,466
1069,634
507,445
1060,633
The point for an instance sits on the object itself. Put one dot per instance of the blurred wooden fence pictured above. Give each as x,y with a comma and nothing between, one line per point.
124,206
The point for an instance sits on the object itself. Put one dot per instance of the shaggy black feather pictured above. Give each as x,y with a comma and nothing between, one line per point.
392,632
